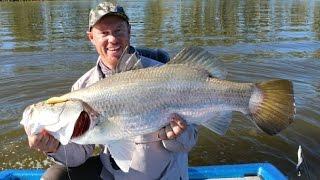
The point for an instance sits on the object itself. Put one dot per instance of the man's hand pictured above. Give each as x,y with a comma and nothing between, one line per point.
43,142
176,127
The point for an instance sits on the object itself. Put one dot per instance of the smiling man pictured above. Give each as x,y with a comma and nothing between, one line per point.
110,34
159,155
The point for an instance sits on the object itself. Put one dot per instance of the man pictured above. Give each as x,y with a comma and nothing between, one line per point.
159,155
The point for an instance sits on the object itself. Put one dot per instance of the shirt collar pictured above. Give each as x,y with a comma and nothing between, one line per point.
104,70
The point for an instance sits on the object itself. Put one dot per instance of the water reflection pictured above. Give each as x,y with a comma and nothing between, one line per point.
43,26
27,21
316,19
153,20
51,26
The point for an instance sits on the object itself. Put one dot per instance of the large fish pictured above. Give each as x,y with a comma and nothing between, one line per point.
127,104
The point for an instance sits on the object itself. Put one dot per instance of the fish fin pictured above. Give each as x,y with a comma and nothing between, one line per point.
197,56
272,105
134,62
220,123
55,100
128,62
122,153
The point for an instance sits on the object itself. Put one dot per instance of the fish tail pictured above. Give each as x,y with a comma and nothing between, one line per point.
272,105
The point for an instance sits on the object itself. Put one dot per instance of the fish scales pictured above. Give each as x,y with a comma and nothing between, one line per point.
137,98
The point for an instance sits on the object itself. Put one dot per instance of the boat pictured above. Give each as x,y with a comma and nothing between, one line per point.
251,171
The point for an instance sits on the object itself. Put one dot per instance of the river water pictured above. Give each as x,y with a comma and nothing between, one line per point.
43,50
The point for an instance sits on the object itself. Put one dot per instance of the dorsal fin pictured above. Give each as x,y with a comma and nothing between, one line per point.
197,56
128,62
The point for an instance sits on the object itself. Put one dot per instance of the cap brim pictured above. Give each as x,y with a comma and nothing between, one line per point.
121,15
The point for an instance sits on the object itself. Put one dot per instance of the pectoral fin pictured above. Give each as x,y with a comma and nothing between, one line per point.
219,123
122,152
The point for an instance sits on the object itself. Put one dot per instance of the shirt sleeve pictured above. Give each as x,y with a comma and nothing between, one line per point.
185,142
72,154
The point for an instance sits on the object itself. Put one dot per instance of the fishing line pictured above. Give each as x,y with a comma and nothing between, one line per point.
65,151
305,165
116,70
65,155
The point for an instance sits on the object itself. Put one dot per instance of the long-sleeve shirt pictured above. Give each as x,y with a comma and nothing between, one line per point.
153,158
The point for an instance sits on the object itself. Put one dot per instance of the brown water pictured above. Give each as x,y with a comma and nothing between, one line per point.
43,50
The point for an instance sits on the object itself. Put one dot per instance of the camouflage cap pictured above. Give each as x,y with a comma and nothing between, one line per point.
103,9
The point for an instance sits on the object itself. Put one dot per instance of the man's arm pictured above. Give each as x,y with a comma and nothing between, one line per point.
71,155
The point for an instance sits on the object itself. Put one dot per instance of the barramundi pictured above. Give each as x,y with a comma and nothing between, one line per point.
136,102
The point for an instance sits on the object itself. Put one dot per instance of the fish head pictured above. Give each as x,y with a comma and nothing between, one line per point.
63,120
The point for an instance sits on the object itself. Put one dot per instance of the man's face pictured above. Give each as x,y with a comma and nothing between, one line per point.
110,36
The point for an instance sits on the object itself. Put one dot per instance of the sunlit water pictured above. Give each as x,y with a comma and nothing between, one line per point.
43,50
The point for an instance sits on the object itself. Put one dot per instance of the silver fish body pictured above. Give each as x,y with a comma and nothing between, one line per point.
138,102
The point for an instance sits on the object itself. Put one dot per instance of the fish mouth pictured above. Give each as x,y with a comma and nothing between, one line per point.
82,125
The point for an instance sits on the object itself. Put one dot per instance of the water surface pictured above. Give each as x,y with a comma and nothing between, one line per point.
44,49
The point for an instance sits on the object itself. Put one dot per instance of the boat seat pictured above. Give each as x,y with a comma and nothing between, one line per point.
156,54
